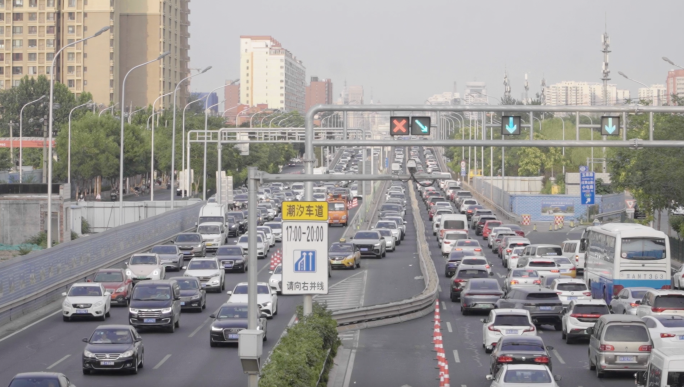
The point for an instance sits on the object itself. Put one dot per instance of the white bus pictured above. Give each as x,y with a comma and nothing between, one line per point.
625,255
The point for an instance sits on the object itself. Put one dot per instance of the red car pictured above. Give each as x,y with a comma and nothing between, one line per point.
488,226
116,282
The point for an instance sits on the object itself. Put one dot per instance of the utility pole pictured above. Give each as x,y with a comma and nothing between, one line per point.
45,153
605,40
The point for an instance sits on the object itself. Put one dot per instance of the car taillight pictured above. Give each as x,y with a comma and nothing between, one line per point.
606,347
456,280
666,287
514,282
573,269
504,359
645,348
491,328
587,293
633,304
478,249
555,271
537,282
447,242
657,310
530,329
486,266
542,359
664,335
508,251
559,293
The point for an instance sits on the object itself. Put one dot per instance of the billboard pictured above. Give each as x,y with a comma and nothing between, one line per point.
565,207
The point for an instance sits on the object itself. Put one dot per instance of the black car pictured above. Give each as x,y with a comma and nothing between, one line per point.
156,304
461,278
192,296
519,349
240,219
233,227
113,348
480,294
544,305
55,379
229,321
232,258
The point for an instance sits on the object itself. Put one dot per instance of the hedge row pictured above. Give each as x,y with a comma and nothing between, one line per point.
298,359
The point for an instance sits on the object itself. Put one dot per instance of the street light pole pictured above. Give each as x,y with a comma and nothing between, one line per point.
206,120
69,142
21,137
173,135
49,147
105,109
152,147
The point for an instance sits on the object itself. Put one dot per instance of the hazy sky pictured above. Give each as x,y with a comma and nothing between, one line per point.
406,51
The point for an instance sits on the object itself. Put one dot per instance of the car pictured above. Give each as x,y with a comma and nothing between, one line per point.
667,331
232,258
390,239
508,244
521,278
475,218
232,227
542,251
191,244
497,242
470,210
171,256
660,301
51,379
516,229
462,276
117,283
277,229
270,237
192,295
345,255
400,222
487,227
468,244
243,243
86,299
477,262
449,240
455,258
229,320
276,279
208,271
566,267
214,234
505,321
571,249
393,207
146,266
479,226
571,290
543,304
493,233
515,375
511,257
370,243
113,348
480,294
580,315
543,266
626,332
240,220
156,304
627,300
467,203
519,349
267,298
389,225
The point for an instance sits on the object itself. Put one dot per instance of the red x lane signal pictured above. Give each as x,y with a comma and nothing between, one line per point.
399,126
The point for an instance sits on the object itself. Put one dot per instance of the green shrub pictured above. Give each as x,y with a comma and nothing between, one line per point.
39,239
299,357
74,236
85,226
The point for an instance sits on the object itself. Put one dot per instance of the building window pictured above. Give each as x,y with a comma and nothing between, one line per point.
18,16
69,41
2,17
71,83
33,3
17,70
17,43
16,82
2,43
51,30
71,29
33,70
32,30
51,3
33,43
71,16
33,16
72,3
2,71
85,69
32,57
17,30
50,16
18,3
50,43
2,3
85,83
71,56
111,83
71,70
50,56
17,56
2,30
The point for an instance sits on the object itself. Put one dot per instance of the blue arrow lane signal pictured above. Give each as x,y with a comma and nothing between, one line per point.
423,128
610,128
511,127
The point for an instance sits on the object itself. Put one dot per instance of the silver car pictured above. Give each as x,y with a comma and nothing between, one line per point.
208,271
261,246
170,255
390,240
276,229
521,277
627,300
370,243
516,375
392,226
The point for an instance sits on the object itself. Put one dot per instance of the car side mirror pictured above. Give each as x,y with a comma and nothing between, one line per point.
63,294
185,267
557,378
489,377
229,292
85,339
138,339
108,293
550,348
590,330
212,316
615,297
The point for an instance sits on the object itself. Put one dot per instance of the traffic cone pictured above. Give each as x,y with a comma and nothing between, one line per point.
446,375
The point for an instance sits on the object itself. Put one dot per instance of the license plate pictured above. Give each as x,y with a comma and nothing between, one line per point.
627,359
545,308
233,336
228,266
563,270
141,277
484,306
511,331
204,285
81,311
336,221
107,363
364,249
681,337
182,303
572,298
150,320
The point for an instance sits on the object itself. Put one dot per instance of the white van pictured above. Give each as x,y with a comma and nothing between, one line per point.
212,212
665,369
396,168
571,250
452,222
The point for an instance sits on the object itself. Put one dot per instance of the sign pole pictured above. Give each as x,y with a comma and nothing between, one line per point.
252,307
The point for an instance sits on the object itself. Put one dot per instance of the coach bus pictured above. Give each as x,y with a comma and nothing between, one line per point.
624,255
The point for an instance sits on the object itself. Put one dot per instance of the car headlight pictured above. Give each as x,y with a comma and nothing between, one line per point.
214,281
133,310
344,217
377,244
129,273
196,296
88,354
66,303
199,246
156,272
217,240
127,354
98,304
166,310
232,226
120,289
216,329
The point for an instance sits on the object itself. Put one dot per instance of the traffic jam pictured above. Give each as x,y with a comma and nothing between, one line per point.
544,305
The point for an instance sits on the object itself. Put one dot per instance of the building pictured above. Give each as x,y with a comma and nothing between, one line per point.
319,92
675,84
355,95
231,95
571,93
140,30
270,74
446,98
475,94
656,94
211,103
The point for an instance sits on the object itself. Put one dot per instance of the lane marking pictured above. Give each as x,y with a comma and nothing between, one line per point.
456,358
449,326
499,275
443,306
350,366
58,361
30,325
199,327
162,361
556,354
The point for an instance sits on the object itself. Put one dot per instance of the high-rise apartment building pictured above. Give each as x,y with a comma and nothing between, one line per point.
231,94
355,95
656,94
571,93
675,84
141,30
319,92
270,74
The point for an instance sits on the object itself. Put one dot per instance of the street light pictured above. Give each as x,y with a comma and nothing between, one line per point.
130,115
633,80
173,135
105,109
21,136
69,146
672,63
152,147
49,148
187,178
204,171
121,147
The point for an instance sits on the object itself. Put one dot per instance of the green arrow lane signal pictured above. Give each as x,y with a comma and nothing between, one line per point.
510,125
420,126
610,125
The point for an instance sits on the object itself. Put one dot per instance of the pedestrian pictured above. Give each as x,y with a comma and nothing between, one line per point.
98,197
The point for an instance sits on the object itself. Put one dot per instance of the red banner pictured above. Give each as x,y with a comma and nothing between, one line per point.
26,142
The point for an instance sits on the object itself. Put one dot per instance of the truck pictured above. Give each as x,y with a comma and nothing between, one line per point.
665,368
338,211
212,212
396,168
319,171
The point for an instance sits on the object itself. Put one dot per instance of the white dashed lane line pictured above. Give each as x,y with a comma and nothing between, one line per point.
558,356
456,358
162,362
58,361
449,326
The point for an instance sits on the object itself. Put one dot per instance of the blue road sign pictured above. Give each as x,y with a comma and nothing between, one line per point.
510,125
386,162
306,263
587,186
610,126
463,168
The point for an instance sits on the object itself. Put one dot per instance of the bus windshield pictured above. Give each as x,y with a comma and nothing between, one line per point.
643,249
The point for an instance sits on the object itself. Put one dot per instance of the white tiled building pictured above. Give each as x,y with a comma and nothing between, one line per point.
656,94
583,94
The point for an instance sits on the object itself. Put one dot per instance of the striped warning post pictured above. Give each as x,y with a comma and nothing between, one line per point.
558,220
526,219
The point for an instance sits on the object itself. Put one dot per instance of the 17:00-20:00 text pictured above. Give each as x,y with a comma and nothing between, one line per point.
310,234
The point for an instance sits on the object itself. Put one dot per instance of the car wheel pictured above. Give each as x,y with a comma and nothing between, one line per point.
171,328
142,359
488,350
103,317
558,326
563,334
453,297
568,339
384,253
86,372
358,264
275,311
464,311
223,284
107,314
134,371
244,268
204,304
591,365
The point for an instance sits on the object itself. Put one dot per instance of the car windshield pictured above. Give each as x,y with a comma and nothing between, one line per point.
562,261
385,232
542,264
278,270
542,251
202,265
240,289
669,301
265,230
263,289
643,249
229,250
391,207
513,320
143,260
626,333
638,293
163,250
591,309
243,239
472,273
525,274
242,198
543,296
188,238
522,345
484,285
108,277
85,291
366,235
389,225
492,224
518,251
453,225
671,321
527,376
474,261
341,248
35,381
453,236
571,287
237,312
151,293
208,219
187,283
111,336
274,225
237,215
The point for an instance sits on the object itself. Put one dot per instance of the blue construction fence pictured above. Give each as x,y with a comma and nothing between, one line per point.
544,208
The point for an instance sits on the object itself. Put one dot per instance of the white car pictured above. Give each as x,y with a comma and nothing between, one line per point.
145,267
511,260
661,302
580,315
86,299
319,197
243,242
214,234
667,331
467,203
208,271
494,232
390,225
268,233
571,290
276,280
276,230
519,278
267,298
516,375
390,240
450,238
501,322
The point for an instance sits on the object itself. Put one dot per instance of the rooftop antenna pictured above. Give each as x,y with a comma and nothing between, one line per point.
605,41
